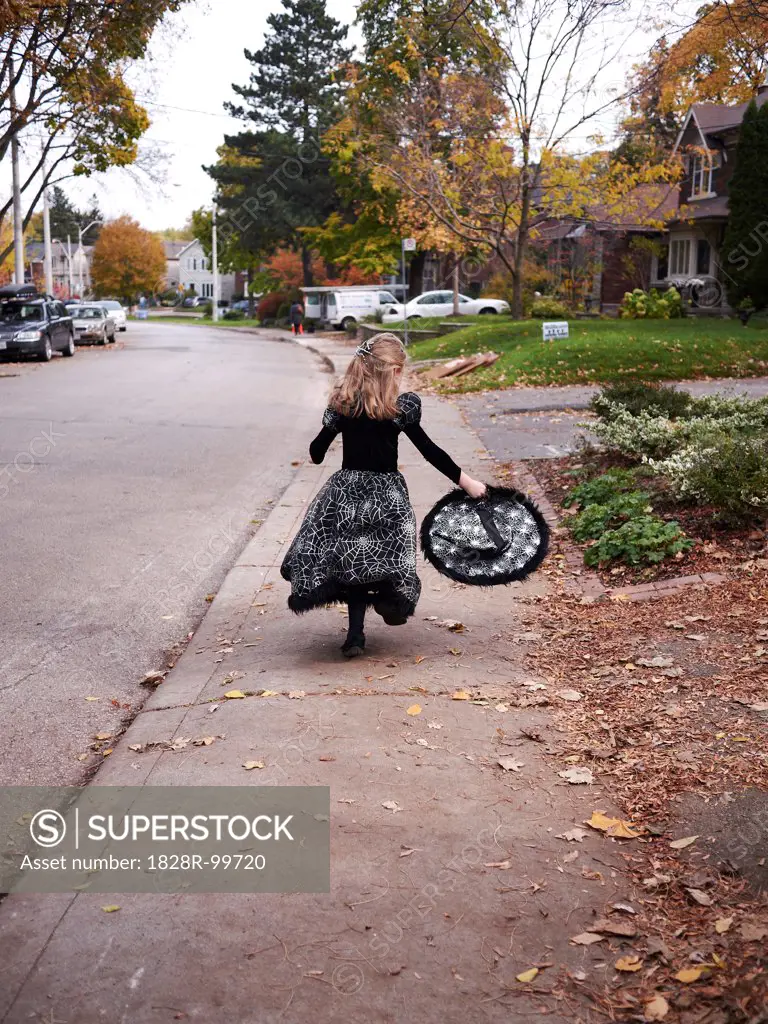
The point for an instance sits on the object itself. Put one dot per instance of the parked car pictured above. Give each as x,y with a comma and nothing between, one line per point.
345,306
117,312
94,324
33,325
441,304
193,301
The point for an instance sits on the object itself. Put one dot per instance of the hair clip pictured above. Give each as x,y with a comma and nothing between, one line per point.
364,349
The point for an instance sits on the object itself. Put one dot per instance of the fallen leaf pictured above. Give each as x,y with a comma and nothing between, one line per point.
528,976
625,908
762,706
656,1009
250,765
418,659
572,695
461,695
570,857
295,694
509,764
502,865
153,678
234,694
626,929
455,651
434,725
615,827
680,844
586,938
657,662
628,963
691,974
103,736
345,800
753,932
326,757
501,707
391,805
414,709
723,924
578,776
573,835
264,693
111,909
700,897
98,698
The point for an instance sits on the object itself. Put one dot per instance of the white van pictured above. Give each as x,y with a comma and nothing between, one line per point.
344,307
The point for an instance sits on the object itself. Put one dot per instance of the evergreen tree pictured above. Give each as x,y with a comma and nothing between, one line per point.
275,179
297,81
64,215
745,250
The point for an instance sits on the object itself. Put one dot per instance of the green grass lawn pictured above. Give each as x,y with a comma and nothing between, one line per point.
204,321
603,350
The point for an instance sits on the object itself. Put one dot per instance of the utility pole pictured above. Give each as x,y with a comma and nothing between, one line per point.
48,261
215,259
69,261
407,245
81,254
18,223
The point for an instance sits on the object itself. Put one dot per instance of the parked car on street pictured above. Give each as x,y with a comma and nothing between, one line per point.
33,325
193,301
441,304
117,312
94,324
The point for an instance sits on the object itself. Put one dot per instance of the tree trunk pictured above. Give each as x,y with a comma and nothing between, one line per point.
456,287
306,264
249,293
416,275
521,247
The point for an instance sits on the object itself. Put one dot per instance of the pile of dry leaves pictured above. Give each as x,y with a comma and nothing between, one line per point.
670,713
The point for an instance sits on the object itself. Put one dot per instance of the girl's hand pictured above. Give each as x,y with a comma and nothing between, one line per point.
474,488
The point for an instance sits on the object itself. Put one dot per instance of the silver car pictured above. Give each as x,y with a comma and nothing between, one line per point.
93,324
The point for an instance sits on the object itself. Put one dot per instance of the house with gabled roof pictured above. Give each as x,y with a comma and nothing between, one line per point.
707,143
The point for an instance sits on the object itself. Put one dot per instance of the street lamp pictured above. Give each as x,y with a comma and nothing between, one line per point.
81,232
215,261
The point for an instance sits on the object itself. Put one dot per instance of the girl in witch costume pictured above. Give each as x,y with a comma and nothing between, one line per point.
357,543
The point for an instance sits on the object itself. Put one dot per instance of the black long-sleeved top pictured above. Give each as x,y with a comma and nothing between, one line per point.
372,444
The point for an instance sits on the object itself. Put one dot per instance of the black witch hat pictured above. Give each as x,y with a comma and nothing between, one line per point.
499,538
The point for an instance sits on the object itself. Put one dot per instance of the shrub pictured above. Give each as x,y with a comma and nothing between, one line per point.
283,310
647,540
233,314
593,521
601,489
652,305
548,308
637,396
269,305
207,309
728,471
641,437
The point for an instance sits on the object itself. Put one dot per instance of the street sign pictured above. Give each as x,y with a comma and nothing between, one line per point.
551,329
409,245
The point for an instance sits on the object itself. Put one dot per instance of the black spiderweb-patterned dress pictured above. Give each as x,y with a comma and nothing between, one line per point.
358,538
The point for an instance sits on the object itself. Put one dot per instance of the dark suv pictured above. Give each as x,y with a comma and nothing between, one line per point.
33,325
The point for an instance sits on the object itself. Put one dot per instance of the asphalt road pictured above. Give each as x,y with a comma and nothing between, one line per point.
129,479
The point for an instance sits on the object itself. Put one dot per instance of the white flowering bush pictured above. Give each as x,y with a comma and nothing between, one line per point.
727,471
641,437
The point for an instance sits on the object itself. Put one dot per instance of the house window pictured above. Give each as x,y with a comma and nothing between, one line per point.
680,257
207,288
203,263
702,166
662,263
703,254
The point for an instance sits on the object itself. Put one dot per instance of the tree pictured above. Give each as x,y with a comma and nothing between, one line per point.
274,179
62,77
128,261
721,58
744,246
478,147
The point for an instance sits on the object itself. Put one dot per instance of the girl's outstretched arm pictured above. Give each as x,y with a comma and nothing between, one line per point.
331,426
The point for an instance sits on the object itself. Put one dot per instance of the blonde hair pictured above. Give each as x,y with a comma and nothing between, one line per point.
371,384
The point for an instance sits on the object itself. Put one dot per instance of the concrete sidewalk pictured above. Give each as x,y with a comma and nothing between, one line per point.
434,909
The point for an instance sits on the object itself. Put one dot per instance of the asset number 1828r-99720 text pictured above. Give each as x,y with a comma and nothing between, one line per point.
217,862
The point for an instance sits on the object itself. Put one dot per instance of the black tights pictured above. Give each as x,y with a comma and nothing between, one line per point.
356,604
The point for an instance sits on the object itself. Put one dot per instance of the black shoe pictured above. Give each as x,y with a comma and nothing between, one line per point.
354,645
390,613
